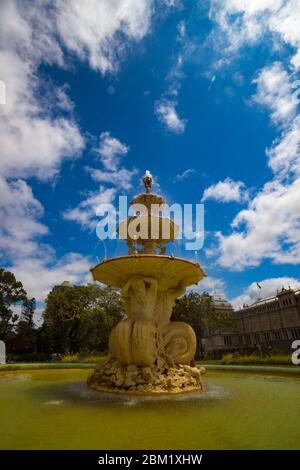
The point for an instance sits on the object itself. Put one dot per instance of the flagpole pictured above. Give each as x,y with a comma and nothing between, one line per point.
258,291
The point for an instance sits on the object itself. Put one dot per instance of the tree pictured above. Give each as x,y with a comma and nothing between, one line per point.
24,338
100,320
27,311
198,310
192,308
79,318
11,293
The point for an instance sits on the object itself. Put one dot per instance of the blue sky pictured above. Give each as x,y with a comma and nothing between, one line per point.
202,93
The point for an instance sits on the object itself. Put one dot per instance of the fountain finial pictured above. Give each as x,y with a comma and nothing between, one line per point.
147,180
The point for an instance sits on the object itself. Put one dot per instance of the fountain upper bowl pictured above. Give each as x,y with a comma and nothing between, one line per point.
168,270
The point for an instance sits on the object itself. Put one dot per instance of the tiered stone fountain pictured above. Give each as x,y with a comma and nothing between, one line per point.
149,354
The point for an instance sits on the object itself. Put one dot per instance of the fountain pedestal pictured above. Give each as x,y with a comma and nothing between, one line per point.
150,354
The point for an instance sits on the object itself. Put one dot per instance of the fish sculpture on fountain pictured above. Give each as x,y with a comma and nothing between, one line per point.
149,353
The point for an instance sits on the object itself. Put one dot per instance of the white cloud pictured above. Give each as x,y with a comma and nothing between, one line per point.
20,227
269,288
211,285
286,23
254,7
173,3
184,175
110,150
240,23
37,267
226,191
19,220
85,213
165,108
39,276
284,154
33,142
274,90
121,178
167,114
269,229
36,146
34,263
181,29
92,29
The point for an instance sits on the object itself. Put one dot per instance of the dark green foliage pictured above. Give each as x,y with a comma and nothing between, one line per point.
27,312
76,319
11,293
25,335
80,318
198,311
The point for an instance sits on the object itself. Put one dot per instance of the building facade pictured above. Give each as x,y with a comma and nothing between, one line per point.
216,342
270,323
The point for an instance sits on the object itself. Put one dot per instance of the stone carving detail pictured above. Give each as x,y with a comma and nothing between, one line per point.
120,340
139,294
134,342
148,332
180,342
165,301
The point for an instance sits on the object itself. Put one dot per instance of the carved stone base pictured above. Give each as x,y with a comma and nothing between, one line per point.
112,376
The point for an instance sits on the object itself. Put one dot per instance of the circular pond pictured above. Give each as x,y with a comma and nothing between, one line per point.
53,409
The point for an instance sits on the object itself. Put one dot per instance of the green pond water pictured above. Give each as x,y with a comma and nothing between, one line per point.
53,409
